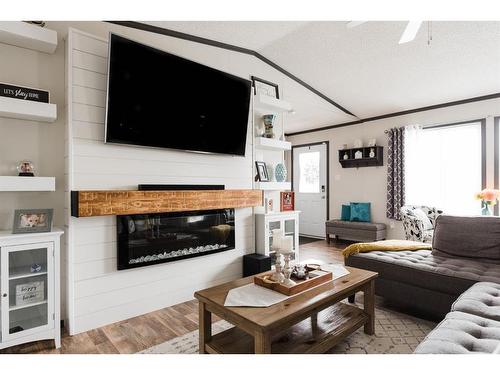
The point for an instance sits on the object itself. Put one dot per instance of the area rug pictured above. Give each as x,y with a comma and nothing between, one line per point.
395,333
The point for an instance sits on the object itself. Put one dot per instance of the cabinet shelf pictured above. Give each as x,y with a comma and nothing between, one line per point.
14,308
272,144
16,183
27,110
25,35
273,185
267,104
25,275
365,160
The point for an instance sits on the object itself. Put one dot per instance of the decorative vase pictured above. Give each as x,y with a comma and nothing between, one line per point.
269,125
485,208
260,129
280,172
372,153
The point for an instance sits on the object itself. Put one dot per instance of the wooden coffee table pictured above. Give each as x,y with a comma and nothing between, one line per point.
310,322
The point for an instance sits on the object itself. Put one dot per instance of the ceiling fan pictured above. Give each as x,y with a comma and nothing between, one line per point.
408,35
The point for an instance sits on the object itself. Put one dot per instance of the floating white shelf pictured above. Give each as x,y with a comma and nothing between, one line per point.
15,183
27,110
272,144
266,104
273,185
29,36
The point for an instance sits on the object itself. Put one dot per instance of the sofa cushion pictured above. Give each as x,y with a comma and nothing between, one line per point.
482,299
467,237
421,268
420,215
462,333
346,212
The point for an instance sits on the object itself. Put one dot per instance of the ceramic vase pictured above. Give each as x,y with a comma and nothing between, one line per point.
280,172
269,125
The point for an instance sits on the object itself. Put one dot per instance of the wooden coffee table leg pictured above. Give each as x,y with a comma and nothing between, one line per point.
205,326
369,306
262,343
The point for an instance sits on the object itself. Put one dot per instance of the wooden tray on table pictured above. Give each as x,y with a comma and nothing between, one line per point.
317,277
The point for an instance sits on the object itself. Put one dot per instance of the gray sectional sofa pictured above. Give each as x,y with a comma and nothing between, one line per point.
464,258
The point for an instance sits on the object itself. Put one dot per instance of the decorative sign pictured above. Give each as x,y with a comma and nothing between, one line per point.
24,93
287,200
30,293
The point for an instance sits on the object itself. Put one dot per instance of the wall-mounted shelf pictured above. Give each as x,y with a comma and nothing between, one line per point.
128,202
272,144
267,104
365,161
27,110
15,183
273,185
22,34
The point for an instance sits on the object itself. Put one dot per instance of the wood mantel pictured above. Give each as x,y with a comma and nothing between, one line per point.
129,202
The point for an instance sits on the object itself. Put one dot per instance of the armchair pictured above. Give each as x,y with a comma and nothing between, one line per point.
415,228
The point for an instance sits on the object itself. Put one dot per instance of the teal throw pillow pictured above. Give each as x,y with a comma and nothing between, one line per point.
346,212
360,212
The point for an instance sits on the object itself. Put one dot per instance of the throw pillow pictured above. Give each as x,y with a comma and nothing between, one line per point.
360,212
346,212
420,215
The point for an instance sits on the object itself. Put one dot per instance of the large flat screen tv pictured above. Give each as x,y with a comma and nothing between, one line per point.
158,99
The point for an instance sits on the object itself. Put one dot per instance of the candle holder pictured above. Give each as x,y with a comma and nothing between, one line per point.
278,272
287,272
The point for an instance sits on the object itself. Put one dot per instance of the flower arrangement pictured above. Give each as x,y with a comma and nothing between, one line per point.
488,198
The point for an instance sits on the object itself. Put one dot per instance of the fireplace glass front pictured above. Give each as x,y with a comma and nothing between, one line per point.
149,239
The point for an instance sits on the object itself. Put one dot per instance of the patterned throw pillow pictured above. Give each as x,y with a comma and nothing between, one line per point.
360,212
420,215
346,212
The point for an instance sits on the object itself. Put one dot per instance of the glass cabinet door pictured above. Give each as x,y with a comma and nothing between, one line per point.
27,288
276,224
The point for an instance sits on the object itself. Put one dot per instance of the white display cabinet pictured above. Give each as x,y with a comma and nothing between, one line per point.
288,221
30,288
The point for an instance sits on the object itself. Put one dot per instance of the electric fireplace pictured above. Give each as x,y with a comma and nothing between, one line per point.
149,239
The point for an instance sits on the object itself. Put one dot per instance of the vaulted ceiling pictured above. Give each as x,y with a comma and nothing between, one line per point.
364,69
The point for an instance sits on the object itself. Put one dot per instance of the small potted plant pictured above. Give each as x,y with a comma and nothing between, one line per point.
488,198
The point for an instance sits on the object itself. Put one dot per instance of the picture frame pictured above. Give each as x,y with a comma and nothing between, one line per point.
287,201
32,220
262,86
262,173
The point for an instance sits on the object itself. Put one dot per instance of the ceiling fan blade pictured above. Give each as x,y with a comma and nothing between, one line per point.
410,32
352,24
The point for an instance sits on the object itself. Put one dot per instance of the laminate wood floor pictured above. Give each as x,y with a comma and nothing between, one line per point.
139,333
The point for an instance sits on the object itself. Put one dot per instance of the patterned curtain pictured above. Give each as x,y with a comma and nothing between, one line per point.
395,173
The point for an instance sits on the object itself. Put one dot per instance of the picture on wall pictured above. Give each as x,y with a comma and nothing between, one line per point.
261,86
32,220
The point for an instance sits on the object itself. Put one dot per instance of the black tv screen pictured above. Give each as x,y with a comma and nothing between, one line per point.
161,100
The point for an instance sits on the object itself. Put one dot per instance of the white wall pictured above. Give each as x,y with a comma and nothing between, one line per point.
369,184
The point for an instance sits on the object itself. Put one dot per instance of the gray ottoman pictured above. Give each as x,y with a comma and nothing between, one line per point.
355,230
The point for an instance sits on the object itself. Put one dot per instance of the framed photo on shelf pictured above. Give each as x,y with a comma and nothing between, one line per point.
287,201
32,220
261,86
262,173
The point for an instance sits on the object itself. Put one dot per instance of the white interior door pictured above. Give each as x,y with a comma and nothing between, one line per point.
310,186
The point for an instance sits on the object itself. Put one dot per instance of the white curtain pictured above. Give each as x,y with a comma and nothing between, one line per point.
443,167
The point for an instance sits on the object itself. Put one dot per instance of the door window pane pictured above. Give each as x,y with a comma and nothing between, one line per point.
309,172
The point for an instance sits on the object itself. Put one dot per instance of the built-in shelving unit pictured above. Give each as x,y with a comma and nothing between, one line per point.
272,144
348,159
27,110
273,185
29,36
15,183
267,104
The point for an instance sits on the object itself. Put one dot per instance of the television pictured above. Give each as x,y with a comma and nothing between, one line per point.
158,99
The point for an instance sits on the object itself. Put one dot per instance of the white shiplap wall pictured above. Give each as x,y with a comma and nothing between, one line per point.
98,294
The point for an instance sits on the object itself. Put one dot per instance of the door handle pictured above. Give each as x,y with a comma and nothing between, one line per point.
323,197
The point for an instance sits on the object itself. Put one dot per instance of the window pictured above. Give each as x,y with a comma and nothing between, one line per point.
444,167
309,172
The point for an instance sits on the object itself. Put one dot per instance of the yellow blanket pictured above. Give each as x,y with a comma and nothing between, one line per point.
387,245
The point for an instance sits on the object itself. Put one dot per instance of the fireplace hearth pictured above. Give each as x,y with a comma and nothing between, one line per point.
145,240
